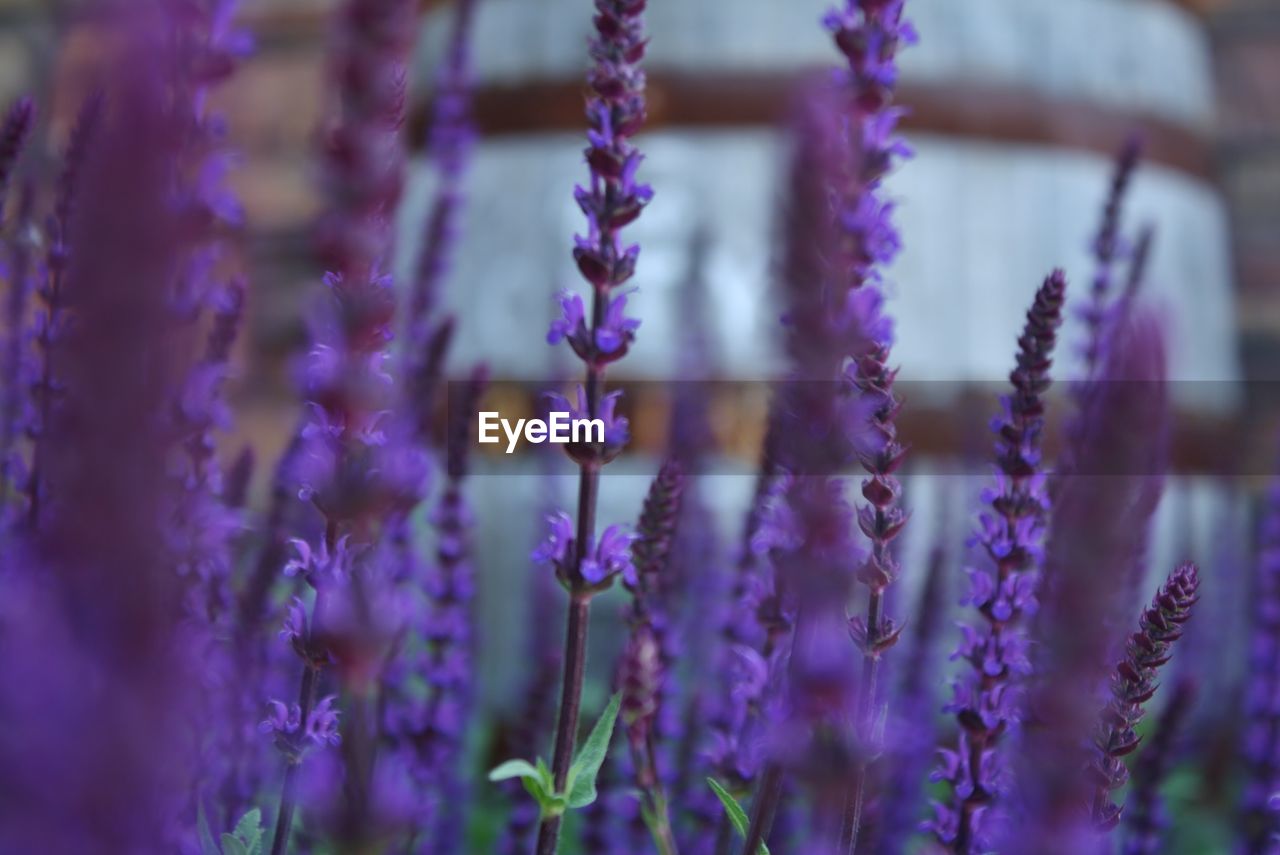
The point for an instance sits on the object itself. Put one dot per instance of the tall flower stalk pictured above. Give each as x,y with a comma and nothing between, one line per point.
823,420
352,469
601,333
646,666
1109,248
21,247
869,34
90,601
50,322
1100,515
449,144
1011,534
1133,684
451,644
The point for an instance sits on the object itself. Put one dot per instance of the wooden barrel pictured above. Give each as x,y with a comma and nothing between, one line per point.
1016,108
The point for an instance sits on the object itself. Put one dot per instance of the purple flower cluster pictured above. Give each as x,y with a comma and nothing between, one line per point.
986,702
146,707
612,199
1109,247
354,467
449,148
424,724
51,323
1133,685
646,668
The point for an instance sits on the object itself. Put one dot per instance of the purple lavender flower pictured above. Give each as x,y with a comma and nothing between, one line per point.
617,430
1138,263
986,698
449,145
1101,511
1108,248
612,199
648,660
85,655
292,737
440,732
601,561
20,251
869,33
354,467
1133,685
50,323
612,336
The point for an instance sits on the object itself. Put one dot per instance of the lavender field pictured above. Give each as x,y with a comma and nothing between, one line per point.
331,590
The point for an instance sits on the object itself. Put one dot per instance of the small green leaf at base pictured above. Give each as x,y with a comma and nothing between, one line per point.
246,839
513,769
232,846
586,766
737,816
537,780
207,846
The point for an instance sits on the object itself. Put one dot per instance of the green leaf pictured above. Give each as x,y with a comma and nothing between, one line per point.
586,766
207,846
232,846
514,769
549,803
248,832
737,816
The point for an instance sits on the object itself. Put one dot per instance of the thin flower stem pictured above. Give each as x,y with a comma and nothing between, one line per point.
764,808
852,821
575,638
306,700
288,790
658,819
575,660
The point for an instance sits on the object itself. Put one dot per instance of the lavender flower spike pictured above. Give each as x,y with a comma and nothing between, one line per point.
648,660
1011,535
449,146
51,323
1100,514
1108,249
353,475
869,34
15,369
612,199
1133,685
